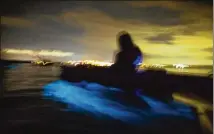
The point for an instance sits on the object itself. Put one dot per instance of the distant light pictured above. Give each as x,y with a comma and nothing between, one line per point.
41,53
89,62
152,66
41,62
180,65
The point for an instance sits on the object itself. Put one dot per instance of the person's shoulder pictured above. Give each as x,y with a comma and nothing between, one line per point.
136,48
119,54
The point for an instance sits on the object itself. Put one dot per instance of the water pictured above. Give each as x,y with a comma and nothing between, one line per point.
26,76
102,101
190,71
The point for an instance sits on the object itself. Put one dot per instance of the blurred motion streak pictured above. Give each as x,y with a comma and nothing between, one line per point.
201,107
94,98
56,53
42,62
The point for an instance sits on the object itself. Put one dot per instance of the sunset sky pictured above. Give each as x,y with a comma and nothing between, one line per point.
167,32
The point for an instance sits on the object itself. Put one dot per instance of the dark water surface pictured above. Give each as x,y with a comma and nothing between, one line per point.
37,114
26,76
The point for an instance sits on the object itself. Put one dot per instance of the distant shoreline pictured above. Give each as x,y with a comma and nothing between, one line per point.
166,65
14,61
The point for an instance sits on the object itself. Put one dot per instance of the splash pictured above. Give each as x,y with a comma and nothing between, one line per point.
102,101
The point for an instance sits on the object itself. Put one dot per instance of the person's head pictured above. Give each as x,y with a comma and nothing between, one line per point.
124,40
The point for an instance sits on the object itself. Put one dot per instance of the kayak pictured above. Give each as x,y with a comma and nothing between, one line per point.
153,82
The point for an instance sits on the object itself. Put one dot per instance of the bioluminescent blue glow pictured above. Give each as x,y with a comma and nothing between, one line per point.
13,66
94,98
138,61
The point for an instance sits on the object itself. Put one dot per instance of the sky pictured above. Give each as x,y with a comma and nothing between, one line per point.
167,32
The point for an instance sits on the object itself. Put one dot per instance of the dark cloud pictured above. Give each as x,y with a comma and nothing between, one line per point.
188,31
209,57
210,49
48,33
24,7
155,56
51,25
10,7
207,2
163,38
193,29
118,10
151,15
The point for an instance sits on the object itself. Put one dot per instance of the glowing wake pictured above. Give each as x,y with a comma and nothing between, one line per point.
94,99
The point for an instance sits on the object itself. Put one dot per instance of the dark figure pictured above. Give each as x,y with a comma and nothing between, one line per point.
124,69
129,56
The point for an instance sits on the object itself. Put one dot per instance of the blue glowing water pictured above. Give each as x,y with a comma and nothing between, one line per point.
97,99
138,61
13,66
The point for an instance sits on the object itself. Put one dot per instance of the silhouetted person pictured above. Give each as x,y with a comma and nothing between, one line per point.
125,65
129,55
